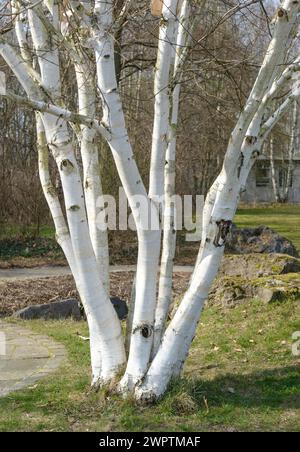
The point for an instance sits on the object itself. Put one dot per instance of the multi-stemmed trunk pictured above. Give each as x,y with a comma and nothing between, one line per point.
157,349
149,238
107,350
244,146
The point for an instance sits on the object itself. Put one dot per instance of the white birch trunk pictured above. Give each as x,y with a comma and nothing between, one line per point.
107,348
179,334
165,52
21,33
61,230
91,172
149,240
169,217
273,172
83,246
292,147
51,196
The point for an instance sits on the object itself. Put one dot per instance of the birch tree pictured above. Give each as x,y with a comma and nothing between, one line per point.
282,176
293,147
274,178
83,33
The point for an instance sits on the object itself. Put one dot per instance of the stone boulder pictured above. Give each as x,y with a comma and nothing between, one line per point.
258,265
120,307
242,278
230,291
65,309
258,240
56,310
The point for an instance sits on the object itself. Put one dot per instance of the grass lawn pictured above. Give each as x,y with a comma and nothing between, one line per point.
12,231
241,375
285,219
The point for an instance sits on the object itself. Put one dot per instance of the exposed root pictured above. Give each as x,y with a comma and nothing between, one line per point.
145,396
127,385
96,385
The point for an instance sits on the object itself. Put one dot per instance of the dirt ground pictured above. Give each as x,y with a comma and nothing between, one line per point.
15,295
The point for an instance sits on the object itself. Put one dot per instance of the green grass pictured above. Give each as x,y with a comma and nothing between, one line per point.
241,375
285,219
29,247
16,241
13,231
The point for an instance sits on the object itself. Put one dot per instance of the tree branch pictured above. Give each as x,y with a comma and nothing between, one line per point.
54,110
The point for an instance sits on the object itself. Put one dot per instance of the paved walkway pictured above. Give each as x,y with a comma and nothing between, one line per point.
43,272
25,357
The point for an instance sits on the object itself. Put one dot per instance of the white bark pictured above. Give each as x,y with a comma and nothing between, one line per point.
179,334
294,142
61,229
21,69
165,52
21,33
169,217
273,172
149,246
129,321
46,107
107,348
91,172
85,248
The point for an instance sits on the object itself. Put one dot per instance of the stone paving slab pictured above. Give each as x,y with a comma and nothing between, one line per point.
25,357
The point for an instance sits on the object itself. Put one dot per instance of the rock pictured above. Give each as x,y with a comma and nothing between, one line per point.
65,309
120,307
258,240
230,291
56,310
265,294
258,265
